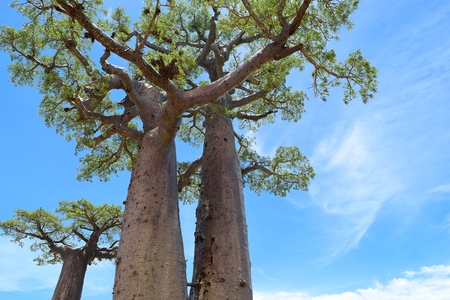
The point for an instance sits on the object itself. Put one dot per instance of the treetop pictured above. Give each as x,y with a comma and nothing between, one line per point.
182,55
75,224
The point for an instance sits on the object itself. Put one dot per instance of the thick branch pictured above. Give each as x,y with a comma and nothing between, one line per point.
106,253
247,99
201,59
71,45
96,94
81,236
284,52
121,50
145,97
241,115
297,20
219,87
184,178
122,74
112,120
280,16
255,167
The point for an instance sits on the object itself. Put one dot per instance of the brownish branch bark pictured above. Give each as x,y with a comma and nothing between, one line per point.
119,49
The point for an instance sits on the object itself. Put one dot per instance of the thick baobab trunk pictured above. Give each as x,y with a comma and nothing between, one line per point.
221,259
71,278
150,260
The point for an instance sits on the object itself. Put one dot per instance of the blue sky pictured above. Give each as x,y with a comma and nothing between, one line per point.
375,223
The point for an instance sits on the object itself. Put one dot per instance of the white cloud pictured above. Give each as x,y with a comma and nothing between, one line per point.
446,224
391,151
355,177
431,283
441,189
439,270
281,296
20,273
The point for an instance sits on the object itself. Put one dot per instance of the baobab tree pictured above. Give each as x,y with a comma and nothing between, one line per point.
221,259
79,234
165,59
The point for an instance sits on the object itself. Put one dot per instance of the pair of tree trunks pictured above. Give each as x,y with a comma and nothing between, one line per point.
221,259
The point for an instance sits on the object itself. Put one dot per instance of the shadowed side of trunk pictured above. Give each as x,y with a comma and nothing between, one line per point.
150,260
71,278
221,259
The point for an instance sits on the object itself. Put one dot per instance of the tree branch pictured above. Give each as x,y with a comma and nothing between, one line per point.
184,178
105,253
247,99
321,67
280,16
121,50
148,44
255,167
252,117
297,20
81,236
201,59
149,28
258,21
71,45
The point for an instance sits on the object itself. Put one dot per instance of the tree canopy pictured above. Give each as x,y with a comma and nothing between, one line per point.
75,224
176,46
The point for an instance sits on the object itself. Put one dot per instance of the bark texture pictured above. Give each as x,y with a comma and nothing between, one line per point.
71,278
221,258
150,260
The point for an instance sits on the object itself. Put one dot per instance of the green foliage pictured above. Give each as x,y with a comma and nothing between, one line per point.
191,129
120,23
86,218
74,222
41,56
191,192
287,170
192,43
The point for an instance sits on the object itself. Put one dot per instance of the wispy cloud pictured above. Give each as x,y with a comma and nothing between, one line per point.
436,271
390,151
445,224
445,188
429,283
353,182
20,273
